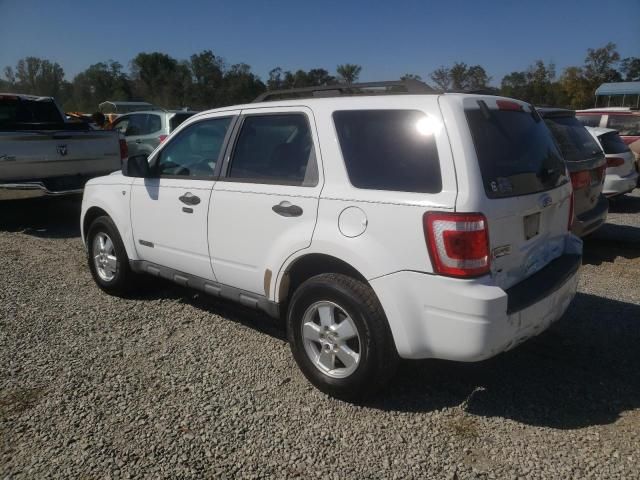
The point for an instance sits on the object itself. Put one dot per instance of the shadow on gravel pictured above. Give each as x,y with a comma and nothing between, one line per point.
610,242
582,372
625,204
42,217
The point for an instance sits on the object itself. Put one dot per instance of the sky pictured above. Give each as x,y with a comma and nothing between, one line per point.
387,38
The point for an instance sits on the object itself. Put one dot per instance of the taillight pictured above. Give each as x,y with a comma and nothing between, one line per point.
580,179
458,243
509,105
162,138
571,200
600,172
124,150
614,161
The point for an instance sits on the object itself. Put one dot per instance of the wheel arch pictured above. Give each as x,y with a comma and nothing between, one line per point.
309,265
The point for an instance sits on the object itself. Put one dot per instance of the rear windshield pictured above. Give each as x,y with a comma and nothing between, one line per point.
589,120
612,143
15,112
627,125
575,142
387,150
177,119
516,152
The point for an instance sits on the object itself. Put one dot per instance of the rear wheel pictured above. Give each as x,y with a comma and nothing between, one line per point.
339,336
108,260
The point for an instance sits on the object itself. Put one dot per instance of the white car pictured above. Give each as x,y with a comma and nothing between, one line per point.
381,226
621,175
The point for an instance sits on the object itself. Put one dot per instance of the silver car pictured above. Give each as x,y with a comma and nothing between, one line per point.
621,175
144,131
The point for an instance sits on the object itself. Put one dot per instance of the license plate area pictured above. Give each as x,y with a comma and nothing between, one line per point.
531,225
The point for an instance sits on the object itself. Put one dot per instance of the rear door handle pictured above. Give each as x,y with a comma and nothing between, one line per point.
189,199
138,141
286,209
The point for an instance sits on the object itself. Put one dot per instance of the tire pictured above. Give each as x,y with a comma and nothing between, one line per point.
370,358
116,276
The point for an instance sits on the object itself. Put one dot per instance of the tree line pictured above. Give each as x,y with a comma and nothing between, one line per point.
205,80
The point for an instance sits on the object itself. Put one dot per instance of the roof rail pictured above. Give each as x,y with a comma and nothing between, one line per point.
349,89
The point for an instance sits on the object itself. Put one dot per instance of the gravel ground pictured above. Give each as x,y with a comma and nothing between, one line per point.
174,384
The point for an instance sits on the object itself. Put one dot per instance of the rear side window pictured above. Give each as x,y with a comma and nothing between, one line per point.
516,152
575,142
589,120
612,143
275,149
627,125
387,150
14,111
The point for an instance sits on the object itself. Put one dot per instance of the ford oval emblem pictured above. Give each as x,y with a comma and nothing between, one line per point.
62,150
545,200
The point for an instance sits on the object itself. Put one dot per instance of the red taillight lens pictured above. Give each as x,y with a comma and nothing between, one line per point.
571,201
124,150
580,179
614,161
162,138
458,243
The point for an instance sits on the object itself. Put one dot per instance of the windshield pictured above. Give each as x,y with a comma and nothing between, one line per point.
575,142
516,152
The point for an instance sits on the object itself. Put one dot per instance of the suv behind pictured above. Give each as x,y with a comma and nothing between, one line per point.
144,131
380,226
586,164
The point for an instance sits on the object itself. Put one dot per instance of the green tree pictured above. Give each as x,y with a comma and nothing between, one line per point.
161,79
599,65
240,85
37,76
461,77
101,81
577,88
411,76
630,67
207,73
348,72
442,78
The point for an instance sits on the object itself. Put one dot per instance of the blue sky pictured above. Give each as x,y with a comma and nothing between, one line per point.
386,38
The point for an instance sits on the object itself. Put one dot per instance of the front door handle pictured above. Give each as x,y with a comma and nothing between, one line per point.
138,141
286,209
189,199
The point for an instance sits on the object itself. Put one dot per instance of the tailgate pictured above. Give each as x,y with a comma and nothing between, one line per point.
527,193
36,155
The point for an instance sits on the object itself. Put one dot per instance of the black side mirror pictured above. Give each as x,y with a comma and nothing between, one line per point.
136,166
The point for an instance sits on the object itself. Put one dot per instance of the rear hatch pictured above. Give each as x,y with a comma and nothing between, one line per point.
527,193
620,159
585,160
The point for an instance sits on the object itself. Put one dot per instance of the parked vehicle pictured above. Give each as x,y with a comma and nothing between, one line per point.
586,164
625,120
42,154
621,175
144,131
412,225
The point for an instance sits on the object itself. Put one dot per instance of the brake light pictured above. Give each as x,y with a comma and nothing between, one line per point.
124,150
508,105
458,243
600,172
571,200
614,161
162,138
580,179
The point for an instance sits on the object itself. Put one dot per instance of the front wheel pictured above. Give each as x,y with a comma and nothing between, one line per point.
339,336
108,260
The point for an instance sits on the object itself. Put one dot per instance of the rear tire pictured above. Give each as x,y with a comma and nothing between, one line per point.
107,257
339,336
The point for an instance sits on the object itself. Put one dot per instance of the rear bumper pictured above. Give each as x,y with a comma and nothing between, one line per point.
20,191
589,221
470,320
618,185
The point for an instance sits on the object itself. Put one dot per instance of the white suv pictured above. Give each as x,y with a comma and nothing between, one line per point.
381,226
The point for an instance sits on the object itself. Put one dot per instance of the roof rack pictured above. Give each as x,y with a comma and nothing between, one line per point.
349,89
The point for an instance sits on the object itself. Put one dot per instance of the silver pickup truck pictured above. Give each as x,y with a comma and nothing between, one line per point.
42,154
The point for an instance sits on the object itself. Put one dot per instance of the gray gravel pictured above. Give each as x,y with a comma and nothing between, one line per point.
175,384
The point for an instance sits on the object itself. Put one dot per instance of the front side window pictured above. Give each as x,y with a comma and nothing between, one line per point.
275,149
195,151
121,125
389,150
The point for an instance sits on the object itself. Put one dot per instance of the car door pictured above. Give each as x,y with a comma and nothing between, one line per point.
169,210
264,205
